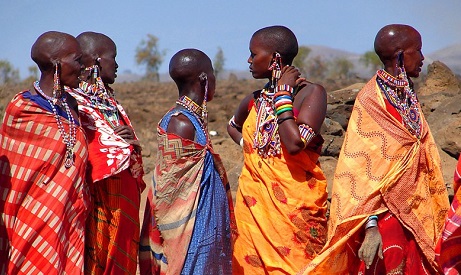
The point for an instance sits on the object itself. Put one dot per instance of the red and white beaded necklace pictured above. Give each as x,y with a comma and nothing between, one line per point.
68,138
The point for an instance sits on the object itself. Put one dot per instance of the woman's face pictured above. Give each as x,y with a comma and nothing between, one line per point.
260,58
413,56
70,62
107,64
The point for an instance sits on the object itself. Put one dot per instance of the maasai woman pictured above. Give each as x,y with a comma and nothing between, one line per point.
389,199
188,227
281,198
114,165
43,155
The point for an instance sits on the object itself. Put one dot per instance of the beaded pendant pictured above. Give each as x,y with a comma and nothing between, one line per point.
266,137
406,103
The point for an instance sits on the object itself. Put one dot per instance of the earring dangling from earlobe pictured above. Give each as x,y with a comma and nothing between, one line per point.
276,68
56,83
203,77
400,67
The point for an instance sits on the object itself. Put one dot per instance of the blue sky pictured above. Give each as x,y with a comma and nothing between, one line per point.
349,25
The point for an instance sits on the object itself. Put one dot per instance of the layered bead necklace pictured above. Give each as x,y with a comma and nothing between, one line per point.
266,137
403,98
68,138
102,98
190,105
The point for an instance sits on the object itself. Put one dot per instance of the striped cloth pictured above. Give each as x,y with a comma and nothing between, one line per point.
188,220
43,205
449,246
115,175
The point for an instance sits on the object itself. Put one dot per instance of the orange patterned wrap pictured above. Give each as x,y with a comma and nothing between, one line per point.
280,210
382,167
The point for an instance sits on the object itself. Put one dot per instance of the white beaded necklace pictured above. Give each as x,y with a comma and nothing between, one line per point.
69,138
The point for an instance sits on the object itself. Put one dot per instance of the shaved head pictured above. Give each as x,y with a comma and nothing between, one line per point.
187,65
395,38
49,48
279,39
93,45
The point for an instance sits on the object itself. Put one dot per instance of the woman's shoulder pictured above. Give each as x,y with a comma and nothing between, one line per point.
309,89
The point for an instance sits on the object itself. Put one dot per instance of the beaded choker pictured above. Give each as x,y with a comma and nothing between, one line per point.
190,105
194,108
391,80
69,138
404,100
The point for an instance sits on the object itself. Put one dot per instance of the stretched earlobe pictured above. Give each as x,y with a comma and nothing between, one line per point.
203,77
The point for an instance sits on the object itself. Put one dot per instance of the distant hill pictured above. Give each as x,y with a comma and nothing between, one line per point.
450,56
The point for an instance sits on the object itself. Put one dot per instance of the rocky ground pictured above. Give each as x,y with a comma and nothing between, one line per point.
146,102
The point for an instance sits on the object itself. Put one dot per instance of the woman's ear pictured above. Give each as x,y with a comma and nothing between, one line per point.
203,77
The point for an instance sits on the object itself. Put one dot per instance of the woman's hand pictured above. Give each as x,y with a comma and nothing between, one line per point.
290,76
127,133
372,243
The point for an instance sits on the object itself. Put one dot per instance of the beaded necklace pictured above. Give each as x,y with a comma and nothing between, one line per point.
406,103
190,105
266,137
102,98
69,138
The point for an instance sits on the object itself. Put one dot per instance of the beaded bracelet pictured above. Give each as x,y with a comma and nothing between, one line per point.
285,87
282,102
282,93
307,133
285,109
233,124
283,97
280,120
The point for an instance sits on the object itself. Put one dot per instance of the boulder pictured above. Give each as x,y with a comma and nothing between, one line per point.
332,145
440,79
340,114
346,95
331,127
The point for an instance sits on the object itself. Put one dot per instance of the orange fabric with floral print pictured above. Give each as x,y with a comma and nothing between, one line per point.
280,209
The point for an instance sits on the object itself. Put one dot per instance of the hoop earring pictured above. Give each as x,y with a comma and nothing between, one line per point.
204,77
57,82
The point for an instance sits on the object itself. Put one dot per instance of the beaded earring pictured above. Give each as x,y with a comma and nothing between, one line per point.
56,82
276,68
203,77
401,74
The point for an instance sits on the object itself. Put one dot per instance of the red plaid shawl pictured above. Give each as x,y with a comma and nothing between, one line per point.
43,205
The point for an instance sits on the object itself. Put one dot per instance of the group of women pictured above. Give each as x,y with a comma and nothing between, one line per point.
71,171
